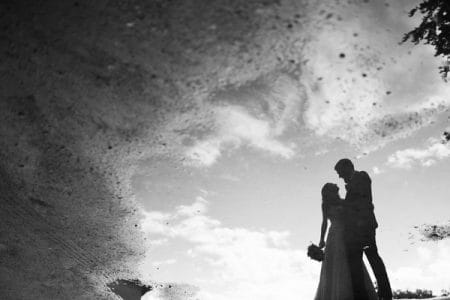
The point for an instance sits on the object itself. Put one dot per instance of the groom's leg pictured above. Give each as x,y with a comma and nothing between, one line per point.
354,254
379,270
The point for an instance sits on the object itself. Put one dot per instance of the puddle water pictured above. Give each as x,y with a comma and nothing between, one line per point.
129,289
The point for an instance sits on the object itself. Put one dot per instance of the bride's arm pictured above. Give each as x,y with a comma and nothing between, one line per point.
323,228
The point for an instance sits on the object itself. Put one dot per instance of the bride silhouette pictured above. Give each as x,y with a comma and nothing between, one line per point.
335,278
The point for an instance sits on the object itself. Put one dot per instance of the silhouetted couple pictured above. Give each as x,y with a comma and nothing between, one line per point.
352,232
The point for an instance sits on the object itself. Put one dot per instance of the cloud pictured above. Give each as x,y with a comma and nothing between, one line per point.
356,120
241,263
236,127
377,170
169,261
198,207
207,152
403,122
248,264
229,177
426,157
158,242
346,78
257,114
340,102
428,270
357,90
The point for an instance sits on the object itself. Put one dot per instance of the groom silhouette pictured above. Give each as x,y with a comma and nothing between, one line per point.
359,234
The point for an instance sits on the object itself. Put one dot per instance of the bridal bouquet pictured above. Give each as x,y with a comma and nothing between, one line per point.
314,252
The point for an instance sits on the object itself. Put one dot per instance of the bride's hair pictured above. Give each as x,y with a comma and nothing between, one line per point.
329,193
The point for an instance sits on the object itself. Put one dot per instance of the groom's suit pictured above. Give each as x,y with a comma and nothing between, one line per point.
360,226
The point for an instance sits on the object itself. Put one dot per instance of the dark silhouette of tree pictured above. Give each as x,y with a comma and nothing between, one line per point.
418,294
433,30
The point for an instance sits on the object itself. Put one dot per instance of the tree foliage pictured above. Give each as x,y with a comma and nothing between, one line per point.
418,294
434,29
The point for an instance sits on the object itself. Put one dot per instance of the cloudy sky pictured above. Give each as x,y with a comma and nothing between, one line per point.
233,217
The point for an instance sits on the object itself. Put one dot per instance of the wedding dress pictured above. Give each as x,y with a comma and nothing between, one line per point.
335,280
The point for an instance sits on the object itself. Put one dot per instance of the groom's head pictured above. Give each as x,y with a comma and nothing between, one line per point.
345,169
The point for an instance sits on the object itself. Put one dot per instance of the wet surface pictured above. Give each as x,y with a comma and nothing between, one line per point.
129,289
90,89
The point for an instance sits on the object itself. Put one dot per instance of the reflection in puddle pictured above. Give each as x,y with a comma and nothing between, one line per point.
129,289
